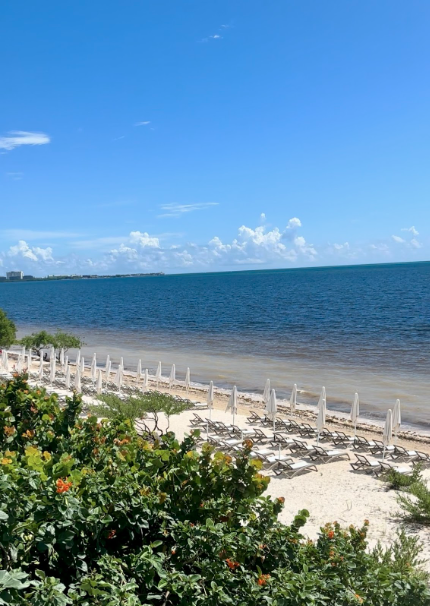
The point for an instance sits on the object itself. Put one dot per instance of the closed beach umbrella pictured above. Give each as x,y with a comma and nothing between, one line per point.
28,366
77,384
78,358
99,382
23,352
82,365
158,373
108,368
139,370
322,397
146,379
52,369
210,398
232,402
388,431
62,356
41,367
30,355
121,363
397,417
266,393
187,379
67,379
4,358
321,417
66,364
19,363
119,377
355,411
293,399
172,377
94,368
272,407
107,362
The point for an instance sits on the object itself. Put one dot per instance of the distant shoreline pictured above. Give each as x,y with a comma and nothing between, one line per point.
83,277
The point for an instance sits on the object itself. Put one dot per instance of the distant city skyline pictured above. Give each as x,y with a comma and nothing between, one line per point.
193,137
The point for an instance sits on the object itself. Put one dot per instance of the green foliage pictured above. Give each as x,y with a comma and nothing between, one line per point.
43,340
403,555
91,514
398,481
7,330
139,407
416,503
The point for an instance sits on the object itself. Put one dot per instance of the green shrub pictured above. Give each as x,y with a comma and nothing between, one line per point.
398,481
416,503
91,514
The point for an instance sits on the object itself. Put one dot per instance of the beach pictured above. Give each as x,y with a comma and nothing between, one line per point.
334,493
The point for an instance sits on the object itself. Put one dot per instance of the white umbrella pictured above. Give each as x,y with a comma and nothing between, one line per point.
397,417
30,356
172,377
94,368
107,362
78,359
266,393
41,367
139,370
388,431
67,379
23,352
146,379
3,358
62,356
322,397
210,398
28,366
52,369
272,408
121,363
293,399
321,417
232,402
82,365
158,373
77,384
108,368
99,382
187,379
66,364
118,377
19,363
355,411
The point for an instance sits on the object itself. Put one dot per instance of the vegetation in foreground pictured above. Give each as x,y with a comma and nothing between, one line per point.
93,514
415,497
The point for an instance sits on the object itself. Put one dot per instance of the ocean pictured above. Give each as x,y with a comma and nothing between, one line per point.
354,328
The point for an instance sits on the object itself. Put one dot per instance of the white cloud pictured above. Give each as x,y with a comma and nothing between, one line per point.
24,251
294,223
398,239
176,210
215,37
144,239
412,229
339,247
145,123
415,244
263,217
16,138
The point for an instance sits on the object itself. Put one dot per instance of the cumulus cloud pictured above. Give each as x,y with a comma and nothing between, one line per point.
23,252
294,223
398,239
340,247
412,229
415,244
263,217
16,138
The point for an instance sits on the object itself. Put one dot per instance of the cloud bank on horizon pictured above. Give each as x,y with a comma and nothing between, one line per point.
258,247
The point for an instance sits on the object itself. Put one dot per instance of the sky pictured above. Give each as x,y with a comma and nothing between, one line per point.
213,135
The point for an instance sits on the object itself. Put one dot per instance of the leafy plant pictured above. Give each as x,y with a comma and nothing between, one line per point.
92,514
416,503
397,481
7,330
43,340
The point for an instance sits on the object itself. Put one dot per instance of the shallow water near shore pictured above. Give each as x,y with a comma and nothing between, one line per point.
363,328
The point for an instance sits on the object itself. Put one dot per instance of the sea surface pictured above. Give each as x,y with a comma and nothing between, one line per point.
356,328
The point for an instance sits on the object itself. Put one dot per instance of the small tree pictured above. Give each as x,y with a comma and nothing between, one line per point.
43,340
7,330
64,340
139,407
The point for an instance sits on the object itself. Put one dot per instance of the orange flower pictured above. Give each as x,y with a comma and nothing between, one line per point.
232,564
330,534
366,522
281,500
9,431
63,486
173,551
28,434
359,598
262,579
33,409
248,443
111,534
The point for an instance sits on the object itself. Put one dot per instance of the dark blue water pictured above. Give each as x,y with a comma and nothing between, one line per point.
353,320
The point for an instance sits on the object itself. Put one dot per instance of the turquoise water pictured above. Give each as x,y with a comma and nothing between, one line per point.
364,328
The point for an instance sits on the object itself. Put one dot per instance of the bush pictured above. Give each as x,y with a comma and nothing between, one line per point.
416,507
92,514
7,330
399,481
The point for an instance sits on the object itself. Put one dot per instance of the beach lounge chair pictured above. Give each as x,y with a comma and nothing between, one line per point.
327,435
422,458
362,443
320,454
378,448
280,438
339,437
402,453
272,460
197,421
237,432
254,418
290,468
362,463
301,447
386,466
211,425
222,428
307,430
259,436
283,425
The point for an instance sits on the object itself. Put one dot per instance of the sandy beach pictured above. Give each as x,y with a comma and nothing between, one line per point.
334,492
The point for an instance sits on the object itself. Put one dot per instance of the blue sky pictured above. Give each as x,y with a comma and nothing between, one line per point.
184,135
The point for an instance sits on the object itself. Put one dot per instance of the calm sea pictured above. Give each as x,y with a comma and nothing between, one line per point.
360,328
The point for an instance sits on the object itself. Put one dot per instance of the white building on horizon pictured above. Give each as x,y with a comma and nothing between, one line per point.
14,275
